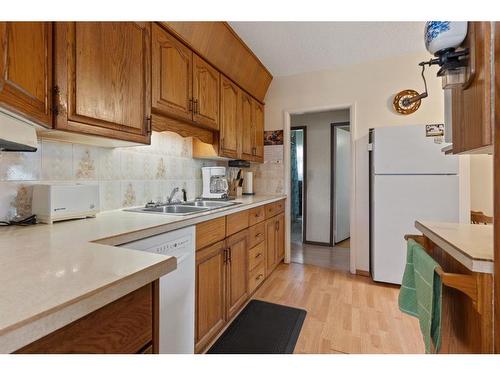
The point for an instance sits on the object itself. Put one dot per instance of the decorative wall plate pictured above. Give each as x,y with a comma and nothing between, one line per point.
400,102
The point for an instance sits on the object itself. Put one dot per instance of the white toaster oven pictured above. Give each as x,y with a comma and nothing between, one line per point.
55,202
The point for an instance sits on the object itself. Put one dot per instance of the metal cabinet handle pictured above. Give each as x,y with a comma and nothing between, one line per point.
229,254
196,106
259,277
258,235
258,255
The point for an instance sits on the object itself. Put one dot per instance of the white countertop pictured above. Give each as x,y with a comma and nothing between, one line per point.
52,275
470,244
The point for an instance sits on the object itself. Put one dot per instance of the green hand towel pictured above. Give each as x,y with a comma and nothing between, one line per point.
420,294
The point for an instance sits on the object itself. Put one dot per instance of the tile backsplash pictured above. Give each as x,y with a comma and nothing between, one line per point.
126,176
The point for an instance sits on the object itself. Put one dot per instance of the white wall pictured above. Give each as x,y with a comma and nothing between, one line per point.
370,88
318,170
481,183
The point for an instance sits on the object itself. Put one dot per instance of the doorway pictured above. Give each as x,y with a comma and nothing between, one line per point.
320,188
341,183
298,186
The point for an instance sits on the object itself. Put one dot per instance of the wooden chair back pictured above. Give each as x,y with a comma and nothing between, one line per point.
478,217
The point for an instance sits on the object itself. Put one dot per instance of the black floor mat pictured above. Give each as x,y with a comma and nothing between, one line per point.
261,328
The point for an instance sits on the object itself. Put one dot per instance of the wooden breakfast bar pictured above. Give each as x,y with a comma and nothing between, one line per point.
465,255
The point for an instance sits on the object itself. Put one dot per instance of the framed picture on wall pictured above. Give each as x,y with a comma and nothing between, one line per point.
273,137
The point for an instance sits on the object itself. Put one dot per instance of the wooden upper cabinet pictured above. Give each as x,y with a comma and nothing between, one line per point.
102,74
471,103
230,134
258,131
210,293
224,49
206,85
237,272
247,125
26,69
172,75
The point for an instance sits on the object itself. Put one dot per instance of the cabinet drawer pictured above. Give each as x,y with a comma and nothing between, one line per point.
256,256
256,234
210,232
273,209
257,276
256,215
236,222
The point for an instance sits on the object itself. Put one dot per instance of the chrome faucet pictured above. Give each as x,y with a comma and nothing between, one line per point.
172,194
170,199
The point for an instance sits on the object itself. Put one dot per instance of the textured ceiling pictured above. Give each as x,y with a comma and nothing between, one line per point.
287,48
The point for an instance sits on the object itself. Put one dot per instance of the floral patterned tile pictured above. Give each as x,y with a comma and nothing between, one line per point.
57,160
109,164
85,162
20,166
148,166
129,165
161,169
132,193
152,191
110,195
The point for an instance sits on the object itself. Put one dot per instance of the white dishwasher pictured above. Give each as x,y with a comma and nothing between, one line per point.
177,289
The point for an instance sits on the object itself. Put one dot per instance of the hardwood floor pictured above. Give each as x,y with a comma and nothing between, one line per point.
336,258
345,313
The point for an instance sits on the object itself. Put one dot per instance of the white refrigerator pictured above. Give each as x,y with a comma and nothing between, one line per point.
410,179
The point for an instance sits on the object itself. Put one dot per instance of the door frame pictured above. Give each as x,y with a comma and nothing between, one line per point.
304,181
333,178
287,113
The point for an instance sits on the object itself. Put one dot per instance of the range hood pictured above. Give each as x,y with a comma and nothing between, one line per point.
16,134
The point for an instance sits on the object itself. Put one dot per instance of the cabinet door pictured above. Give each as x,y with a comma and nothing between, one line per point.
237,271
280,237
471,104
210,293
230,134
103,77
26,69
258,132
206,85
172,75
247,127
271,250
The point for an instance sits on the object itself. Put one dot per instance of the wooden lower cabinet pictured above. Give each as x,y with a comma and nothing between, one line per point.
275,241
128,325
280,236
237,271
229,271
271,251
210,293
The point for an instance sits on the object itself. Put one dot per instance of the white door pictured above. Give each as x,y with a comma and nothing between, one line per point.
397,202
342,189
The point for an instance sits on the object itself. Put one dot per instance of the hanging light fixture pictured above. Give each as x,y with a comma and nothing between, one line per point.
442,39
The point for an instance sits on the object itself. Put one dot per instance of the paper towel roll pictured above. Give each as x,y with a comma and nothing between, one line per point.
248,183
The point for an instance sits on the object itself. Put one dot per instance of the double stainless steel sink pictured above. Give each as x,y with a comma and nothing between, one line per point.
186,208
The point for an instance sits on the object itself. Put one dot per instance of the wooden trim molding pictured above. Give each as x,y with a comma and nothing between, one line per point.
363,273
496,189
304,180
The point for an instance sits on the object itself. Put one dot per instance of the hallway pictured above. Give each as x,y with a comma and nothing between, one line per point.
336,258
